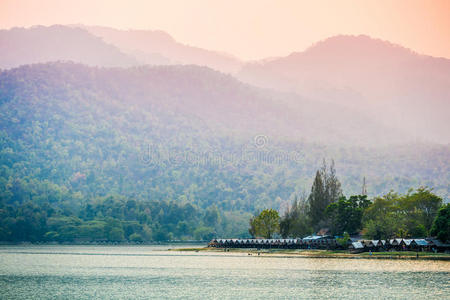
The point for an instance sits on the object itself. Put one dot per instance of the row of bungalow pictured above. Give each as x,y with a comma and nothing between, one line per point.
311,242
392,245
330,243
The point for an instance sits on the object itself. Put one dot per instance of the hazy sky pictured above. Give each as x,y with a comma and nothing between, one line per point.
251,29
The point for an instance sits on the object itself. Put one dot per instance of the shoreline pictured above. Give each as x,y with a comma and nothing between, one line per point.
94,243
335,254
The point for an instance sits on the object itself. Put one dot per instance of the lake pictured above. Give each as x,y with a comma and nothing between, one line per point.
142,272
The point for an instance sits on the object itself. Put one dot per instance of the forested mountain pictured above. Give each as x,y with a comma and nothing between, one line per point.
382,93
221,102
398,87
170,152
39,44
157,47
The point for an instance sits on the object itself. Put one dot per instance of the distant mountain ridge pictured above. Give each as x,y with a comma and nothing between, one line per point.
158,47
104,46
395,85
385,83
40,44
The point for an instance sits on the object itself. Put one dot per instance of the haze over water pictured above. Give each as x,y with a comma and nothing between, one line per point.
143,272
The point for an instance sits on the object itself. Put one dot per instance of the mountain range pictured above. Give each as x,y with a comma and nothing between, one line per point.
20,46
157,47
337,99
401,95
392,84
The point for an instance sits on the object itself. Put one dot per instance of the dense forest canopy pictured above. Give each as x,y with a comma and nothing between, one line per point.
417,214
170,152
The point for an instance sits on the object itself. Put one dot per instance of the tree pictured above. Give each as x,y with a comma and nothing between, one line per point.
421,207
346,214
343,240
295,221
380,219
326,189
317,200
212,216
254,225
266,224
332,185
135,237
204,233
441,224
407,215
116,234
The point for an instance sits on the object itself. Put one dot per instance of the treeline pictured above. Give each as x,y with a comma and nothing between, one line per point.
418,213
113,219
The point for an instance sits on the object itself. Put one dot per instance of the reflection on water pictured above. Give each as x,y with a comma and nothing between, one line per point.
87,272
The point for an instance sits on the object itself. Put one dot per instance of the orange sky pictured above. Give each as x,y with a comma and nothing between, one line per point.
251,29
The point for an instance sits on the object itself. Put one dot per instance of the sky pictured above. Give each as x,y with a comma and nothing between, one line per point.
251,29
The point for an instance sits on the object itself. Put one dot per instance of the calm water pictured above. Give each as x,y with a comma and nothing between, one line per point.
142,272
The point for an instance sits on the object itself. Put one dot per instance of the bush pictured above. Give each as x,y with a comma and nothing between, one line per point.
135,237
441,225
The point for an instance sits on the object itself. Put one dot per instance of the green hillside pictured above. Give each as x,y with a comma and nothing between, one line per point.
157,153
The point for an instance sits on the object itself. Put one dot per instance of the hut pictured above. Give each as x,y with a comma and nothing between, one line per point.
213,243
383,245
367,244
396,244
356,247
331,243
439,246
316,241
300,244
421,244
393,243
374,245
407,244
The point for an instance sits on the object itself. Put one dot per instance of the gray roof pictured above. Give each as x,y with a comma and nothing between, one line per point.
421,242
313,237
439,243
357,245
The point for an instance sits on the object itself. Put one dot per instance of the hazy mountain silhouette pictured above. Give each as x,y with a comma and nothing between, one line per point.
352,88
221,102
157,47
19,46
393,84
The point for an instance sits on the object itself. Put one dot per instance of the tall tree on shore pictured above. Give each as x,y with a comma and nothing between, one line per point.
326,189
295,221
332,185
317,200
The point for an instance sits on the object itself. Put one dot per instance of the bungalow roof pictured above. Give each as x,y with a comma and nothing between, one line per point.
421,242
357,245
